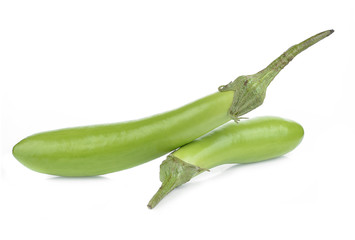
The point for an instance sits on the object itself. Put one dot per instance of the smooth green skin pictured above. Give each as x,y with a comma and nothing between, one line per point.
250,141
95,150
101,149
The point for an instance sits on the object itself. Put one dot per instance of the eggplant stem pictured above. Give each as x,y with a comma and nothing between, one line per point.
173,173
166,187
250,90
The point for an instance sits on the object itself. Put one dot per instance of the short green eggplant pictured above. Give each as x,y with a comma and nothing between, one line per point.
250,141
101,149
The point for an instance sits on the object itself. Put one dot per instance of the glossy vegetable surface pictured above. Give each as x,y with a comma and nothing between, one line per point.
250,141
95,150
101,149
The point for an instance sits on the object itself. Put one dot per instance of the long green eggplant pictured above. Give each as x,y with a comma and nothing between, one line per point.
101,149
251,141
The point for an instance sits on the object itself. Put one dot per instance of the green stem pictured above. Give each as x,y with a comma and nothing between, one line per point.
270,72
173,173
166,187
250,90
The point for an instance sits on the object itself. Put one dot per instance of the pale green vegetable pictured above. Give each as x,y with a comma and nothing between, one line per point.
101,149
249,141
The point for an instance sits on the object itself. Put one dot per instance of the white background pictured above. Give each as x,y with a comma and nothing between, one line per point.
71,63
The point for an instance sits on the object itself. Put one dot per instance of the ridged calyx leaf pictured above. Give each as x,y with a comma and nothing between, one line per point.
173,173
250,90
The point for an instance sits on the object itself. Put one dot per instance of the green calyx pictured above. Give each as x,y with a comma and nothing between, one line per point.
173,173
250,90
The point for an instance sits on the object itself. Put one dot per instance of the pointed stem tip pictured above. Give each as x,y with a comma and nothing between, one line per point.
250,90
173,173
166,187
